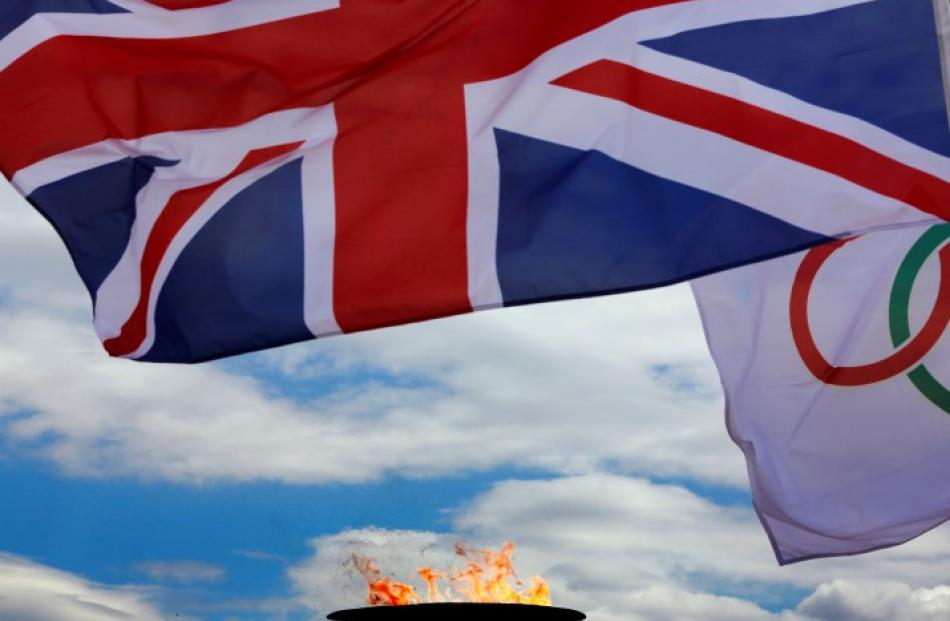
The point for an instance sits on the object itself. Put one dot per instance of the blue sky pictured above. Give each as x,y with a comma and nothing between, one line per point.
590,433
103,529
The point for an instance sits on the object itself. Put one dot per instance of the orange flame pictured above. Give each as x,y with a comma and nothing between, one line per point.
383,591
489,577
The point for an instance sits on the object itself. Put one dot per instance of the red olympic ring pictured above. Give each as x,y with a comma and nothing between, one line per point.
900,361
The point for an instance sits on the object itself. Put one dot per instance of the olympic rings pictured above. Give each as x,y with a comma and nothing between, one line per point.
900,305
911,350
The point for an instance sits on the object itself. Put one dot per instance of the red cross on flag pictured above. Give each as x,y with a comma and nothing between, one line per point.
234,175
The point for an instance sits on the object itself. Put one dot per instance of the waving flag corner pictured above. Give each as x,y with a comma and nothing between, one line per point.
832,361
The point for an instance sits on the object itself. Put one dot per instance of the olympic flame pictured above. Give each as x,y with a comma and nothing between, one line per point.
487,577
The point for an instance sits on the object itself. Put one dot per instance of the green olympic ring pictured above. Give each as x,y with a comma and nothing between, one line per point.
909,352
899,310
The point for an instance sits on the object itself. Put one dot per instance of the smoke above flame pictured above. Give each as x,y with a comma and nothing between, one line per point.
487,577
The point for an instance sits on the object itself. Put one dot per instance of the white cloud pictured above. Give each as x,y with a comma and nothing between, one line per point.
654,530
327,581
258,555
621,548
569,388
624,380
35,268
668,603
841,600
611,535
33,592
182,572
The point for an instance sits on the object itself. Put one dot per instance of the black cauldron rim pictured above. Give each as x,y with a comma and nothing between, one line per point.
458,611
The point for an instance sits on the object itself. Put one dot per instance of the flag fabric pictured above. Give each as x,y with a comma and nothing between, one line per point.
836,368
230,175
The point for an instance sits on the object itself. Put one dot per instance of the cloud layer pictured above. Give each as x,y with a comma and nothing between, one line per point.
568,388
841,600
33,592
182,572
624,548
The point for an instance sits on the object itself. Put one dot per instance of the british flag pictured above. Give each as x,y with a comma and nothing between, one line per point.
231,175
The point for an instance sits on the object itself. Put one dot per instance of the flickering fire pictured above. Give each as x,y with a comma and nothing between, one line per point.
488,577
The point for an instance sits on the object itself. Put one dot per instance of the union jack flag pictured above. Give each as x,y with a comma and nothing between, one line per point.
231,175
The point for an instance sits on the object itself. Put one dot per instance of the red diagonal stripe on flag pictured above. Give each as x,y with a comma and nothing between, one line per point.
74,91
763,129
180,208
